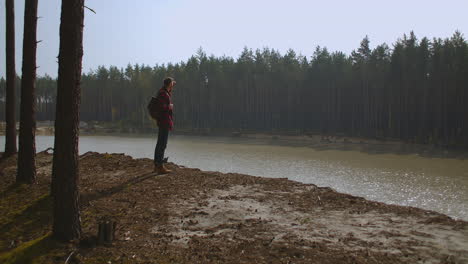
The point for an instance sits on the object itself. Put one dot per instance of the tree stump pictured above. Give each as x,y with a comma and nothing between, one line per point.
106,232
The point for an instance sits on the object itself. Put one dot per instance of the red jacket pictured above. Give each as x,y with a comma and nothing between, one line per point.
165,117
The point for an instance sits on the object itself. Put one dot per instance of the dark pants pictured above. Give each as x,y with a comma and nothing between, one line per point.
163,135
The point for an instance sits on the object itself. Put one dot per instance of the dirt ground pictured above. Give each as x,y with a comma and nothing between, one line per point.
192,216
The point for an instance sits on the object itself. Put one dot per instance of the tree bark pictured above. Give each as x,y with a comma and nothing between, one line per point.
27,144
10,133
65,174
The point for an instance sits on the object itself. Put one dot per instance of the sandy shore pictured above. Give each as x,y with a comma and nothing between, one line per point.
192,216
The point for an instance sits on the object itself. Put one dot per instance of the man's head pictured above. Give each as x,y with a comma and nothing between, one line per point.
169,83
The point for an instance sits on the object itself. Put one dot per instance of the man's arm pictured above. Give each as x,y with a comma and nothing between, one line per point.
165,102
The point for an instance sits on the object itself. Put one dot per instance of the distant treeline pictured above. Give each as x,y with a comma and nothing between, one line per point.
416,91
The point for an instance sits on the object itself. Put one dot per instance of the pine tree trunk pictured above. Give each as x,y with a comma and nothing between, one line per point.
65,174
27,144
10,133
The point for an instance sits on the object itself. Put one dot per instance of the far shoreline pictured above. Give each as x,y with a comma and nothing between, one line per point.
316,141
312,140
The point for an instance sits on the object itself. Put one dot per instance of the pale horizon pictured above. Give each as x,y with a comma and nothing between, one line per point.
161,32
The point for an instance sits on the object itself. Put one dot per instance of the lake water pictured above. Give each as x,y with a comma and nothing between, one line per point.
438,184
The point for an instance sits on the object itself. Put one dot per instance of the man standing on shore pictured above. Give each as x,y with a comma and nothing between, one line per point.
165,123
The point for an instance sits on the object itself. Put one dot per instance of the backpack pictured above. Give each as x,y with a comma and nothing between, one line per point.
153,108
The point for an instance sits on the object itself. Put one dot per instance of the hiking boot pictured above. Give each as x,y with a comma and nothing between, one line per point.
166,170
160,169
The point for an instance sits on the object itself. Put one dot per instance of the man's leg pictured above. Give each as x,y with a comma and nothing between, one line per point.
163,135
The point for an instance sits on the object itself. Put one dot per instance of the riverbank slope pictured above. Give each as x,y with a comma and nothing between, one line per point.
192,216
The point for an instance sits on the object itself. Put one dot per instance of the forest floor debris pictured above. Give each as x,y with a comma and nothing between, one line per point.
192,216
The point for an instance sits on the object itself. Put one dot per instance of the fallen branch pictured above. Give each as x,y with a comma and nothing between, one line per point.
69,256
47,150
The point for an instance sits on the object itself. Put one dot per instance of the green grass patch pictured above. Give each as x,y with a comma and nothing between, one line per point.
24,218
31,252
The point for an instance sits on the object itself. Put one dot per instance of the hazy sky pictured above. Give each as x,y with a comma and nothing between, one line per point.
161,31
